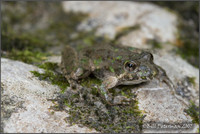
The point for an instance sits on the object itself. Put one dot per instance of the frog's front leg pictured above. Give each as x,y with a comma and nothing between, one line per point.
108,83
75,76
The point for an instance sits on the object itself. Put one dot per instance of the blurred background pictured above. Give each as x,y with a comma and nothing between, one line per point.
31,31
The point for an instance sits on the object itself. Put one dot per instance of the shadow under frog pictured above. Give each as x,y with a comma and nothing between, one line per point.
114,65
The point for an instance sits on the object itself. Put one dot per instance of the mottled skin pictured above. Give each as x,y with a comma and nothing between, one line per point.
114,65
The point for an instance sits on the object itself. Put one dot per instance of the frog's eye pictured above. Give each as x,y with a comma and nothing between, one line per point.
130,66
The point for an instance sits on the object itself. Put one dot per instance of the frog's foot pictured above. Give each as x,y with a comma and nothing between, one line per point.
118,100
73,84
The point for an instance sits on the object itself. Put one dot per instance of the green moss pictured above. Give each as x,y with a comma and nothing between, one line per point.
57,27
102,117
67,104
86,105
12,41
155,43
51,76
192,80
193,111
127,91
198,130
131,48
52,112
90,81
103,121
111,69
28,39
27,56
24,48
49,66
97,62
83,109
84,61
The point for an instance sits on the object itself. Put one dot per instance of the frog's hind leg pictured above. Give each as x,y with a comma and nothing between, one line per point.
75,76
71,67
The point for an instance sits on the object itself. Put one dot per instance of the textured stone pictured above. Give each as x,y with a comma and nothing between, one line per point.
25,108
110,17
155,98
24,97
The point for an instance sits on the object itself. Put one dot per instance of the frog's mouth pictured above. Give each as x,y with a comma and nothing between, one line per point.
133,82
131,79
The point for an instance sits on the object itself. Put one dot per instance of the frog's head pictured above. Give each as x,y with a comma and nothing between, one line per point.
140,69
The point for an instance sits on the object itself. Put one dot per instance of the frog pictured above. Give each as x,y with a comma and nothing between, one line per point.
114,65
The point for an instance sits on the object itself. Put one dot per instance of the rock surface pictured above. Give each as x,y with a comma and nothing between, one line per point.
24,97
109,17
25,108
155,23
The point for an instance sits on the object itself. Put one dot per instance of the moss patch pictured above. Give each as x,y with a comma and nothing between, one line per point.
51,76
191,80
193,111
88,108
27,56
24,48
28,39
155,44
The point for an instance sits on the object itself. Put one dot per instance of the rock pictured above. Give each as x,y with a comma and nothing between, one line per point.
54,59
24,97
160,106
25,108
155,99
178,70
109,17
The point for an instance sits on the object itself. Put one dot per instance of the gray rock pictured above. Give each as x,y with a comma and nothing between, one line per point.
110,17
25,108
155,99
24,97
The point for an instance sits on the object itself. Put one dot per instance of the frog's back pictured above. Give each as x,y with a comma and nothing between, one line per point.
109,56
97,57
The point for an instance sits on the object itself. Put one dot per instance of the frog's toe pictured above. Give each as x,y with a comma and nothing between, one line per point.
73,84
